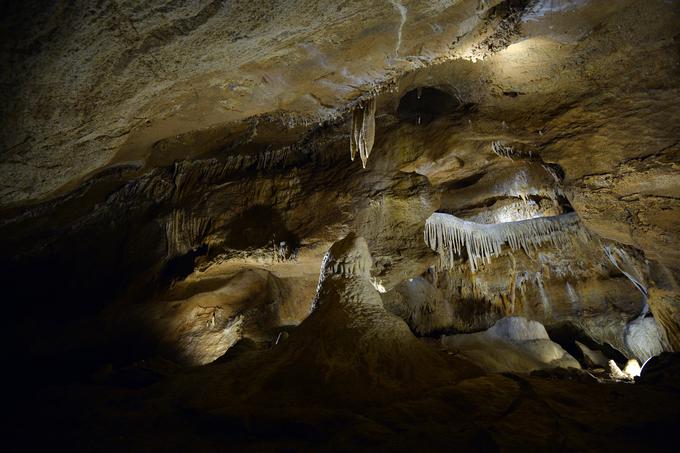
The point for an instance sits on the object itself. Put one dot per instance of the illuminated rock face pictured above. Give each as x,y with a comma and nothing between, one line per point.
572,282
195,80
349,342
161,81
512,344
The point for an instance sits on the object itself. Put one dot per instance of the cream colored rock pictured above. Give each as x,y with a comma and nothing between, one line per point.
516,328
595,357
632,368
151,82
616,373
348,343
170,142
201,318
123,85
513,344
553,285
643,338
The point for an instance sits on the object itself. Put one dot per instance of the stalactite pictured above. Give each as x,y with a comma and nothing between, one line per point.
182,232
188,175
509,152
363,130
447,235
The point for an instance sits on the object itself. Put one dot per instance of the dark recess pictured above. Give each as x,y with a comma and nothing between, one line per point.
422,105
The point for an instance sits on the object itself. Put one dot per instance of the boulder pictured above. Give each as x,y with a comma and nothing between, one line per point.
513,344
593,358
643,338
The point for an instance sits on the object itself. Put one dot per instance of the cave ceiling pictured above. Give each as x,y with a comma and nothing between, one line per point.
122,87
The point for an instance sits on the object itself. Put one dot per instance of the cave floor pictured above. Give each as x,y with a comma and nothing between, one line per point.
139,411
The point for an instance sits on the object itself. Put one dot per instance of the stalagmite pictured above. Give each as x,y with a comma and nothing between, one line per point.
447,235
363,130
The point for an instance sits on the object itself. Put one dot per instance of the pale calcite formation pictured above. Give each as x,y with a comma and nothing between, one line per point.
513,344
363,131
592,357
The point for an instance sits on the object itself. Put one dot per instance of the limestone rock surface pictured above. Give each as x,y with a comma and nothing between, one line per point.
666,308
592,357
512,344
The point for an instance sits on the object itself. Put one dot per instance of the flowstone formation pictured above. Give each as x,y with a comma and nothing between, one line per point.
353,341
549,269
448,235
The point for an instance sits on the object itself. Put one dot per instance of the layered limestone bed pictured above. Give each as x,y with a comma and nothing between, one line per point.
193,260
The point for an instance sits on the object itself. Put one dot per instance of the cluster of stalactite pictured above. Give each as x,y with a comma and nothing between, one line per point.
463,284
265,160
448,235
363,130
509,152
182,232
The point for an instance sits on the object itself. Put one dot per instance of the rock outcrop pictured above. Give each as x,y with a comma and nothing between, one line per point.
574,284
643,338
665,306
593,358
512,344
